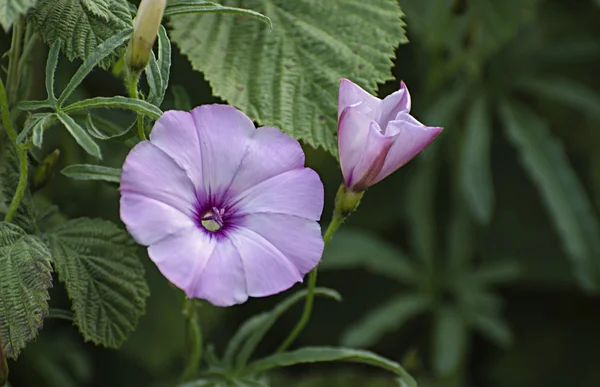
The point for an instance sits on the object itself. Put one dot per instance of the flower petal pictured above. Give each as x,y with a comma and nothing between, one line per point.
222,282
149,220
393,104
224,133
183,256
298,239
150,172
350,94
353,131
175,133
410,141
373,157
266,269
270,153
297,192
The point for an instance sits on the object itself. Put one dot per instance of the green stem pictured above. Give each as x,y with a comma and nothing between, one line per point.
12,80
312,283
12,134
60,314
194,331
134,77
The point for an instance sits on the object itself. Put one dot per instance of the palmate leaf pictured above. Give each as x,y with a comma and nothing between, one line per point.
568,204
103,276
11,9
25,278
80,25
289,76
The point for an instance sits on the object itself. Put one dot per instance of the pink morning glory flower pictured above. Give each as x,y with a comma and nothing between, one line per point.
228,211
376,137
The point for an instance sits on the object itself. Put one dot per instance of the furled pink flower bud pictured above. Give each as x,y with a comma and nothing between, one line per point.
145,29
376,137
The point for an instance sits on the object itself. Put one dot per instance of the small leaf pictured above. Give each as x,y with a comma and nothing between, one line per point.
158,72
27,214
449,341
181,97
475,164
289,76
494,328
182,7
496,272
79,26
255,337
104,278
25,278
10,10
34,105
566,200
385,318
351,249
116,133
117,102
105,49
51,65
80,135
92,172
329,354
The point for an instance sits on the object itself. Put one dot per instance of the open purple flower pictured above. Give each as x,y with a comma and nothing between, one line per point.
376,137
228,211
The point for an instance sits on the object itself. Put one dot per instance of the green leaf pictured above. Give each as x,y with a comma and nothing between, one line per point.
255,336
36,122
80,135
25,278
329,354
351,249
93,123
158,71
450,336
289,77
496,272
34,105
564,91
102,51
385,318
117,102
566,200
475,164
92,172
494,328
51,65
11,9
79,26
104,278
181,98
182,7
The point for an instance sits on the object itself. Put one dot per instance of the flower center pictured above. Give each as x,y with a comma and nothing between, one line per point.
212,220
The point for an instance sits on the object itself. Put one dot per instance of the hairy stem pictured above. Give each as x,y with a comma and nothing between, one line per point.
312,283
21,153
195,333
134,77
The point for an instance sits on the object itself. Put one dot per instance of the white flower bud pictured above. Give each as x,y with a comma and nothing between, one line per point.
145,29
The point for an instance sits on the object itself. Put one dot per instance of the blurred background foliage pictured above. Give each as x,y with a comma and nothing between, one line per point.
478,264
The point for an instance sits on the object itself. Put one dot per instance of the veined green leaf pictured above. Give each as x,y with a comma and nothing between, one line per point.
255,336
103,276
105,49
92,172
25,278
450,336
34,105
568,204
329,354
11,9
79,134
80,26
289,76
117,102
158,71
385,318
351,249
475,164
